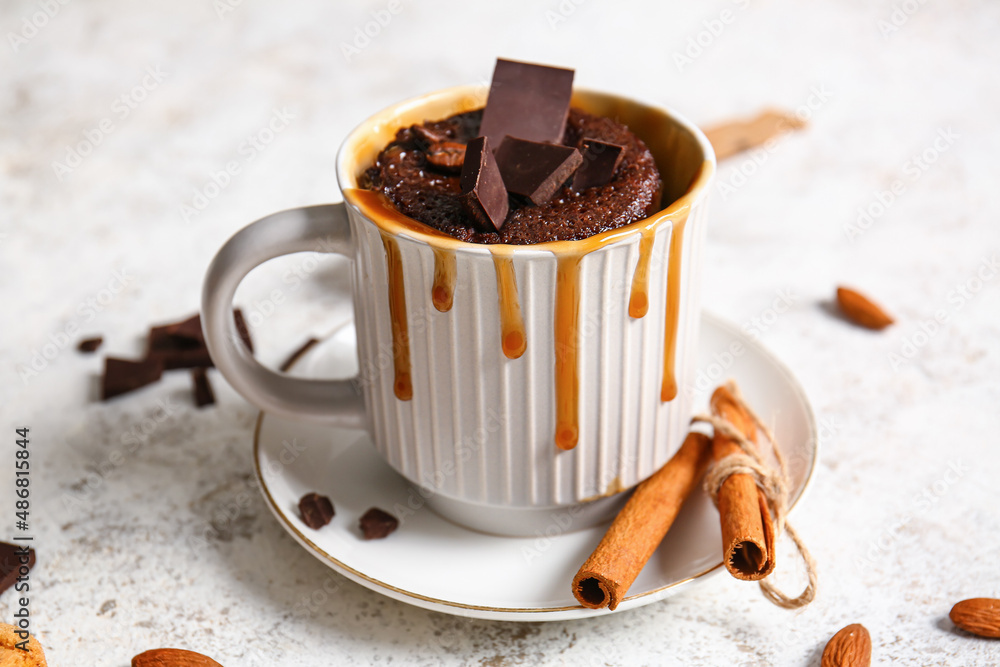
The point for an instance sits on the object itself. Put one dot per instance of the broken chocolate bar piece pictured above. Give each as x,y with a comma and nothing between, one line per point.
376,524
89,345
316,510
182,344
12,558
535,170
122,375
483,194
527,101
600,160
203,394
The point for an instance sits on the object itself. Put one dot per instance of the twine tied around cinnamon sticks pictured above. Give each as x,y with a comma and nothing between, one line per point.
738,470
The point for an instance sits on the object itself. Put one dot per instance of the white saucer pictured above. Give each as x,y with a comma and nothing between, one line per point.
433,563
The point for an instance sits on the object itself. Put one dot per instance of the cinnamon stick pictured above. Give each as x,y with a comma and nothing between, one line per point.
637,531
747,528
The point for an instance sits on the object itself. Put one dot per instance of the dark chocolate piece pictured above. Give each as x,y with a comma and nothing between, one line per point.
535,170
12,557
600,160
122,375
376,524
297,354
447,155
316,510
89,345
527,101
182,344
483,194
203,394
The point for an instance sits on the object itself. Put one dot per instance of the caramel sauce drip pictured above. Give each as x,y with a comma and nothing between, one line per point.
668,391
567,381
403,384
513,340
638,303
443,291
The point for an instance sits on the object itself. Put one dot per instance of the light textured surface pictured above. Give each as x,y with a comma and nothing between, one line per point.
168,543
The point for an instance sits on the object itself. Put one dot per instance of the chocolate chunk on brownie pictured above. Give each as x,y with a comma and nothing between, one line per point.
409,171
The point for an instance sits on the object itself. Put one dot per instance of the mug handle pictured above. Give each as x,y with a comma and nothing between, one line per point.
322,228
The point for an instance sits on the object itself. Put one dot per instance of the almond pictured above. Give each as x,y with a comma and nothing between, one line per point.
861,310
980,616
172,657
851,647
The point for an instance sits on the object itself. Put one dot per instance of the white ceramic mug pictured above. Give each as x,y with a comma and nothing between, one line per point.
476,360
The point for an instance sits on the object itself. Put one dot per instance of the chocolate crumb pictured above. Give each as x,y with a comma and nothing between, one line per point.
203,394
12,557
88,345
297,354
123,375
316,510
376,524
182,344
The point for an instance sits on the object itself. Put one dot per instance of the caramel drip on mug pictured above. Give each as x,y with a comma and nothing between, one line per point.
444,279
668,391
403,384
638,303
513,340
567,381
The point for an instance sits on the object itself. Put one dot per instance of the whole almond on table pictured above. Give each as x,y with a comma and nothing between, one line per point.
172,657
861,310
980,616
12,656
851,647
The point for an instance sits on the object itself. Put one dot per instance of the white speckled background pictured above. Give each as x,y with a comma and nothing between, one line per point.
899,539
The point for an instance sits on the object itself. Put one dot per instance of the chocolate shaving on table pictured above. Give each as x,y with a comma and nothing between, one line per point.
447,155
376,524
297,354
600,160
483,194
88,345
203,394
316,510
12,557
527,101
734,137
122,375
535,170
